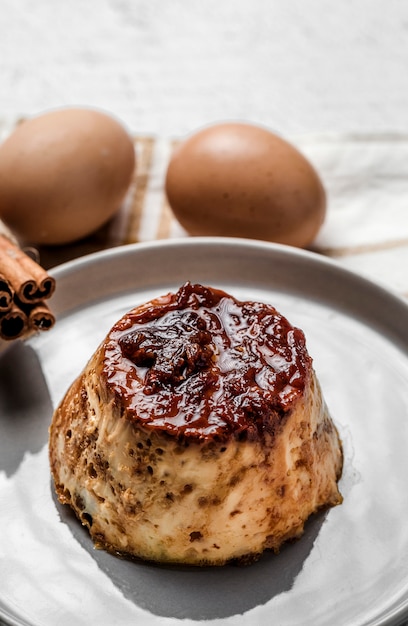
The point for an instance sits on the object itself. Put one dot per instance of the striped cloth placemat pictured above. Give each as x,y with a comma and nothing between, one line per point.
366,227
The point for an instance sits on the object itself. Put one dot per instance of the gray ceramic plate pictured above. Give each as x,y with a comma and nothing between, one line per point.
351,566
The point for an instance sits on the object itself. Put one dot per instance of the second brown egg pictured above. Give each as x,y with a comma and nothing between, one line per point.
242,180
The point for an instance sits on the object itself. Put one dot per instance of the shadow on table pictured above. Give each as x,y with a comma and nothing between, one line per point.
25,405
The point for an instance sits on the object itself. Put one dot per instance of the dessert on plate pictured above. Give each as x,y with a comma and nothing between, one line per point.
197,433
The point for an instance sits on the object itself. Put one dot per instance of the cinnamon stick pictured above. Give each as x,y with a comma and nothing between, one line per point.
6,295
39,316
14,323
30,282
24,285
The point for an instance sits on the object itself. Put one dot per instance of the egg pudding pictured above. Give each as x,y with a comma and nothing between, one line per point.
197,433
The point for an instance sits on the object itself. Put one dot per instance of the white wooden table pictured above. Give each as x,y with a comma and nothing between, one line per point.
331,76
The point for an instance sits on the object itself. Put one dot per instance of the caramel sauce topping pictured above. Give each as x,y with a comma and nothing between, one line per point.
200,364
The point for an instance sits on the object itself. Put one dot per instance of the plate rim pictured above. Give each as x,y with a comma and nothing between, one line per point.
375,291
75,264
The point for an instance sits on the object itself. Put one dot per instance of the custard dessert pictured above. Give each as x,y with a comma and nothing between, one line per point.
197,433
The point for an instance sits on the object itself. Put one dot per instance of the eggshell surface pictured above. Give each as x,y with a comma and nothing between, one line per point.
63,174
238,179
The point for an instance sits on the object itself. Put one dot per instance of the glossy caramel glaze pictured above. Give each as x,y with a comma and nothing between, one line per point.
201,365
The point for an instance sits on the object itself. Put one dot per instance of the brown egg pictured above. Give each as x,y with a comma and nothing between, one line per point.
241,180
63,174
